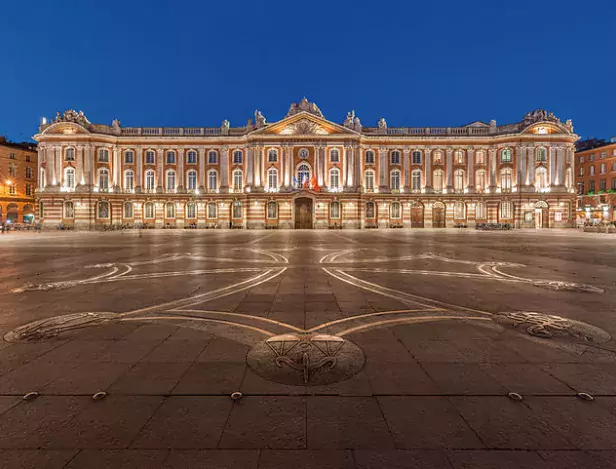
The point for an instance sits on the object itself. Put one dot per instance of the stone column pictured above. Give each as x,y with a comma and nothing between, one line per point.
521,166
159,169
202,174
283,166
428,170
383,170
224,170
492,169
407,169
471,170
358,167
560,167
139,170
79,174
552,165
256,157
289,167
449,162
41,157
319,164
88,166
180,154
117,180
530,167
58,165
249,168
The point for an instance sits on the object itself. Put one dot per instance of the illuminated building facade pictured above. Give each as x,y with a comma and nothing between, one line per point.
18,162
305,171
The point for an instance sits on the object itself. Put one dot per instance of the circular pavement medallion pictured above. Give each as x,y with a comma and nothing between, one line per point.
306,359
48,329
548,326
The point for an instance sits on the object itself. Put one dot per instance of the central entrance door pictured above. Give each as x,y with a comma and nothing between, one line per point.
438,215
303,213
417,216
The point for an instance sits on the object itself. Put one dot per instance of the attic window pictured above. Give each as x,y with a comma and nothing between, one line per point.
541,130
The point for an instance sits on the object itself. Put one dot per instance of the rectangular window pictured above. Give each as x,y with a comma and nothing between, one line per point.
149,157
592,170
416,157
603,155
27,158
191,211
602,168
212,157
170,157
592,186
211,210
28,189
12,156
191,157
129,157
237,157
581,159
369,180
614,184
602,184
558,216
12,189
369,157
103,156
528,216
591,157
12,170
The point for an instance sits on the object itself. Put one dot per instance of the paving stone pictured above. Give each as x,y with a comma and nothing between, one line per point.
176,351
526,378
578,459
427,423
32,376
503,423
118,459
186,423
346,423
212,459
462,378
221,349
357,385
398,378
211,378
266,422
149,378
255,384
400,459
306,459
35,459
582,377
87,378
496,460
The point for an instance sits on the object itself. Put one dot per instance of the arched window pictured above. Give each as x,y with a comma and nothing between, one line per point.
369,180
150,157
129,157
506,210
334,209
437,157
69,210
541,178
69,178
505,155
437,182
103,179
170,157
69,154
369,157
237,209
541,154
191,210
395,157
238,182
148,210
458,180
170,210
128,210
416,157
303,174
103,155
272,155
150,182
212,210
480,180
395,210
191,180
334,155
238,157
416,180
129,180
459,210
506,179
480,211
370,211
394,180
212,180
272,178
191,157
212,157
272,210
170,181
103,209
334,178
458,157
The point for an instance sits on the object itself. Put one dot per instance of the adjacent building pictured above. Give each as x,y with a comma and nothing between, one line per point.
305,171
596,180
18,171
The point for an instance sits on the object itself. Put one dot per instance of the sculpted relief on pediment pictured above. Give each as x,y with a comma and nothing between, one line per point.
303,127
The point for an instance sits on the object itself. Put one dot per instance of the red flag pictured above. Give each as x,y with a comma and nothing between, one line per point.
314,184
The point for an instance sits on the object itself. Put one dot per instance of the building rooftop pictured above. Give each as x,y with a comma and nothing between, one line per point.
27,146
592,143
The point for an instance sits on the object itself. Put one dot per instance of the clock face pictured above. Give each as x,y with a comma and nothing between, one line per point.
303,153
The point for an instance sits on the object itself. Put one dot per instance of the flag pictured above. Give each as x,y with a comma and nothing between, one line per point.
294,181
314,184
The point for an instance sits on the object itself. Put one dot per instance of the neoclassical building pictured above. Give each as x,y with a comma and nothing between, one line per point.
305,171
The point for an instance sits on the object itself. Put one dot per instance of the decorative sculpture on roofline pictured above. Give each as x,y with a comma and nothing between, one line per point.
259,119
352,122
539,115
304,106
382,126
71,115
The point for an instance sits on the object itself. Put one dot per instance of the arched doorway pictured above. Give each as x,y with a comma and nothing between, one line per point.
417,215
12,213
542,215
438,215
303,213
28,216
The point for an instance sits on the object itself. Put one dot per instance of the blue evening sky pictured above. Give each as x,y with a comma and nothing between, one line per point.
195,63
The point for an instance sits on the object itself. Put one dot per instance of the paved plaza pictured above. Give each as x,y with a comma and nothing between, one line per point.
362,349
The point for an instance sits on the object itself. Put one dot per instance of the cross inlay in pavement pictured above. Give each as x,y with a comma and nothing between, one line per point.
358,349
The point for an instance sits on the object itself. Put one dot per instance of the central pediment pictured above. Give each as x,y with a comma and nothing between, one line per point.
304,127
303,123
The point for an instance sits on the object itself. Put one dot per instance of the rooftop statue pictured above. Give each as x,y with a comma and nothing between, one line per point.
539,115
72,116
259,119
304,106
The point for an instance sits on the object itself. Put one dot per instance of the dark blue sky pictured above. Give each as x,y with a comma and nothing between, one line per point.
195,63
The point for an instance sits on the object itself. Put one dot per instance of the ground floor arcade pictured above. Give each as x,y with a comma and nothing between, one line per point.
14,210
